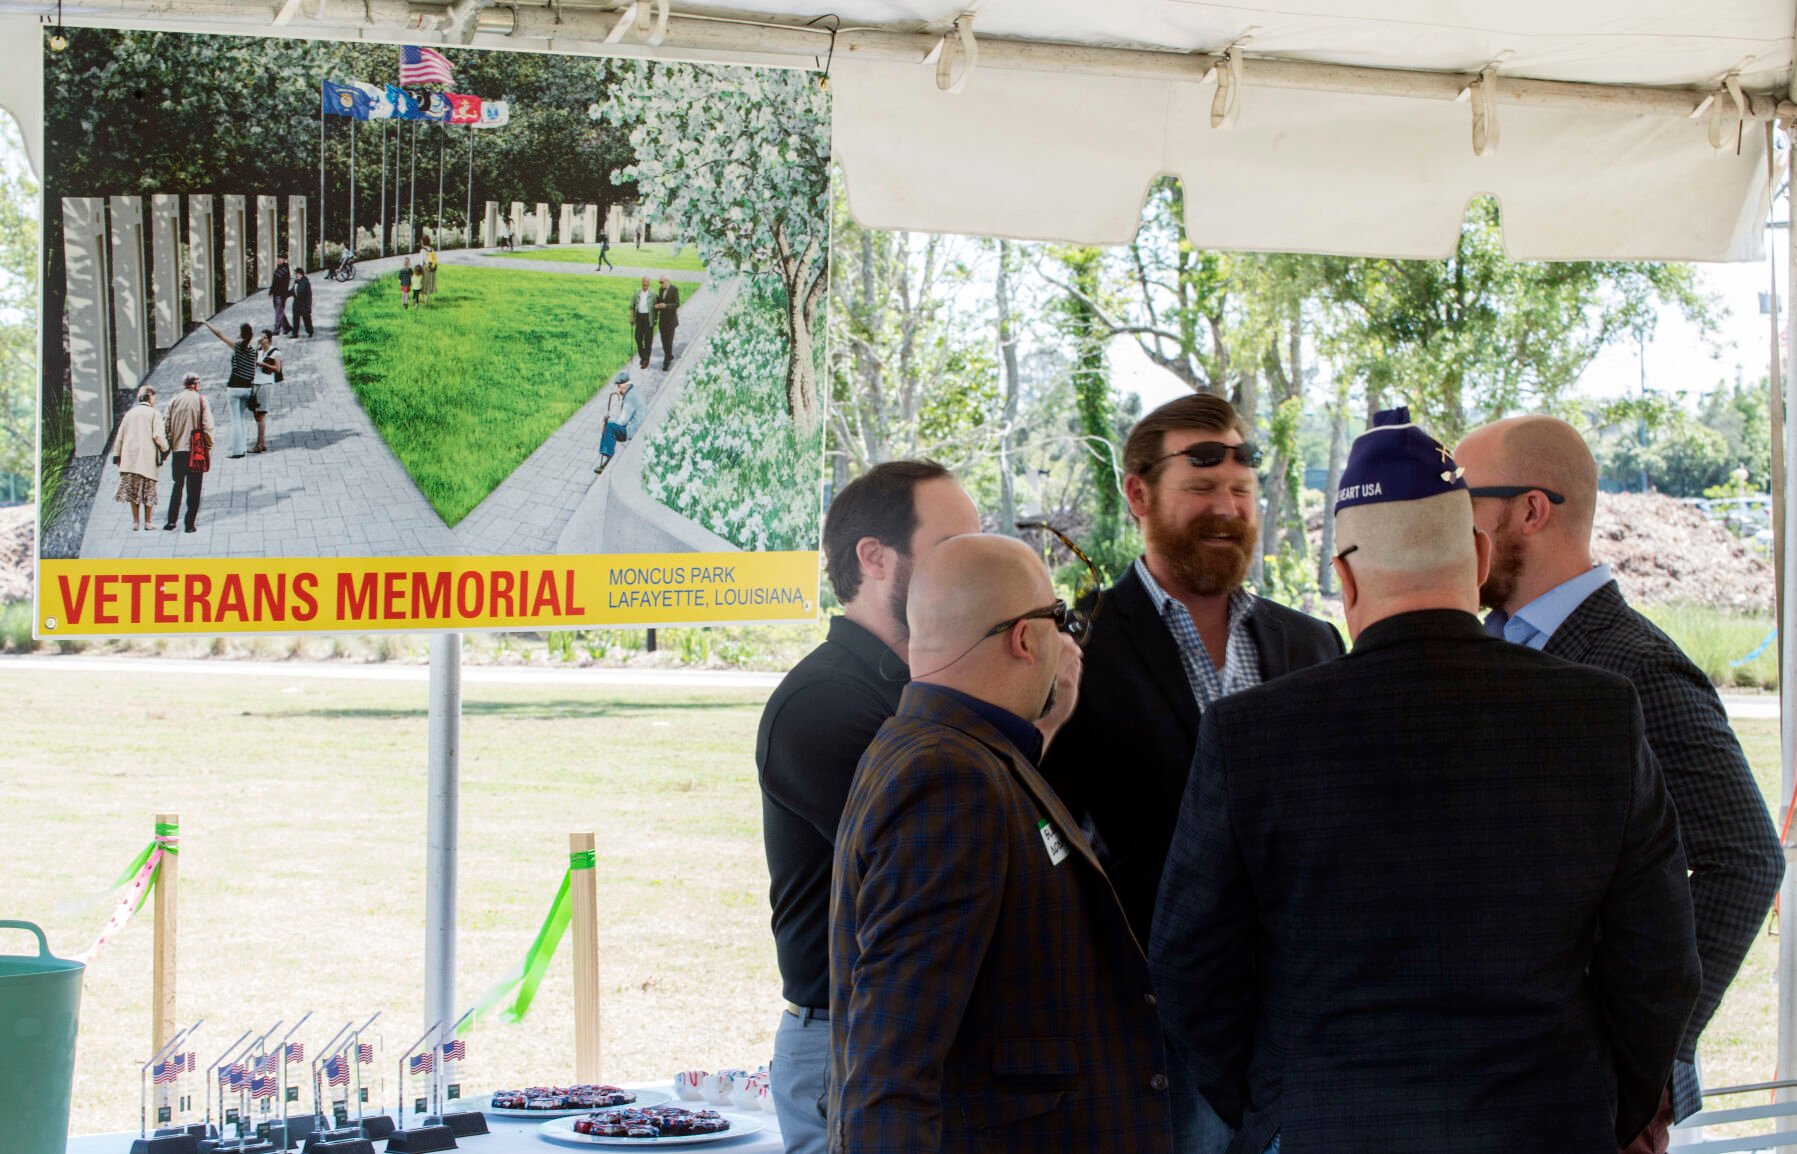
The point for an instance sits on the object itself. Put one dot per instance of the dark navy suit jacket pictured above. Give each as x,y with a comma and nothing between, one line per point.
1428,897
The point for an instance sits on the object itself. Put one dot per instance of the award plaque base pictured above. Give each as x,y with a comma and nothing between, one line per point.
323,1137
197,1129
292,1131
421,1140
346,1146
378,1126
461,1123
182,1143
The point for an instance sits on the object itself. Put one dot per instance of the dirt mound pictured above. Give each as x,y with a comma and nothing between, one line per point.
18,528
1662,549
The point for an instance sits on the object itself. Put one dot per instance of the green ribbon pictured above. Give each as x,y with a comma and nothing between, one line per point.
521,984
166,835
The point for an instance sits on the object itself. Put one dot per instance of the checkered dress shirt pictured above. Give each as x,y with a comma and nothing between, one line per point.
1241,658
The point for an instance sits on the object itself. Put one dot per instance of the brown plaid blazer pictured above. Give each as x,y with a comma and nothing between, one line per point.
983,995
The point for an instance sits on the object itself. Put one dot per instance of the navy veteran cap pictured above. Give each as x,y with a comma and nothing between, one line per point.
1396,461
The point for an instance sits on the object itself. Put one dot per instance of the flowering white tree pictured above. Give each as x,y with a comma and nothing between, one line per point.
737,160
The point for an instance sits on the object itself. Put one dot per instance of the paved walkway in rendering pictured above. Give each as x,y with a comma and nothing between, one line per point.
329,485
528,514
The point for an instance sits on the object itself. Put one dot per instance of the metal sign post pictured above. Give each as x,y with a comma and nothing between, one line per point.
444,753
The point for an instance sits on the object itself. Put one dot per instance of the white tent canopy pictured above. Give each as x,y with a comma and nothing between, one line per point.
1606,129
1351,128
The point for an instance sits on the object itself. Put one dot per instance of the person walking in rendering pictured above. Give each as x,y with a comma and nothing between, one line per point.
280,287
188,414
505,234
604,248
427,281
240,383
642,319
302,303
142,440
623,416
667,315
405,283
268,371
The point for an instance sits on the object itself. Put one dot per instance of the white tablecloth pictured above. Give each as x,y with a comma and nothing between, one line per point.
520,1136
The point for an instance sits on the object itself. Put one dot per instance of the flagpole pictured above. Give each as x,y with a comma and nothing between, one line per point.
321,202
383,223
412,207
442,147
352,185
468,232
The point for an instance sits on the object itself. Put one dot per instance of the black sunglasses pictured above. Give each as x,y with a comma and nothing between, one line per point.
1515,491
1208,454
1056,613
1087,594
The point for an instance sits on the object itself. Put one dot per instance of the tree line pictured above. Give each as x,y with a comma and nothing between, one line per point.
999,358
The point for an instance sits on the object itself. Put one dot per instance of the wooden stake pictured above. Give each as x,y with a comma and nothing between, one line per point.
585,893
162,990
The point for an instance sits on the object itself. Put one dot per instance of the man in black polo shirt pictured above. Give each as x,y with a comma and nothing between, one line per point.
813,732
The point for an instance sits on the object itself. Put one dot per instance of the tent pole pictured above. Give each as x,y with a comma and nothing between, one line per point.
1785,523
444,755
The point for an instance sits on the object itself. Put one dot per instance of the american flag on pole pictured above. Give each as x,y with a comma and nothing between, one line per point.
336,1070
162,1073
422,1063
267,1062
296,1052
455,1051
262,1086
232,1075
193,1062
364,1053
421,65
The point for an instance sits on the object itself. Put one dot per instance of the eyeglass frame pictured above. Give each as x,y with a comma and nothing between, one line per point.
1246,453
1507,492
1082,631
1056,613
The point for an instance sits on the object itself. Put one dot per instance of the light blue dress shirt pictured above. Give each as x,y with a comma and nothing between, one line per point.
1534,624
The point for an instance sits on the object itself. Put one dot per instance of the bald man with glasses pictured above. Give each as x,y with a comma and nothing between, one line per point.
1534,488
985,991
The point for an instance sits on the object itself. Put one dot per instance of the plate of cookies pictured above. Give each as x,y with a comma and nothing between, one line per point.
568,1101
649,1126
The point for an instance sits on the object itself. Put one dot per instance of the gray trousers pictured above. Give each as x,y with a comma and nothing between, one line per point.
800,1076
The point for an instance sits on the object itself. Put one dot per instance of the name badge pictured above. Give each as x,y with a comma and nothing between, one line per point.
1051,839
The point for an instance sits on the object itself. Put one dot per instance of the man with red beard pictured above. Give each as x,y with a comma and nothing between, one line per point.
1174,634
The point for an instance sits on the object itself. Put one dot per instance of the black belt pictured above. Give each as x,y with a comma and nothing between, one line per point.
807,1014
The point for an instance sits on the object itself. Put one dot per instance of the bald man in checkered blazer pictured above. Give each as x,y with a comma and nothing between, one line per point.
986,993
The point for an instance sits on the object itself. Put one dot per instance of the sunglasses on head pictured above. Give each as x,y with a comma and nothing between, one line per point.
1514,491
1208,454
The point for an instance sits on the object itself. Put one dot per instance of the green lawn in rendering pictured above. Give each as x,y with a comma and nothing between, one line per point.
627,255
464,390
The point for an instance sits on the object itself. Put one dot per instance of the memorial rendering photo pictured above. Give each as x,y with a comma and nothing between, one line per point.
427,303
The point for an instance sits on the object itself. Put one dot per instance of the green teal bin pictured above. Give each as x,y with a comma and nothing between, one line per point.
40,1002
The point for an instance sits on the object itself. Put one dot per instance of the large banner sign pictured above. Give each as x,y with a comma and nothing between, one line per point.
374,337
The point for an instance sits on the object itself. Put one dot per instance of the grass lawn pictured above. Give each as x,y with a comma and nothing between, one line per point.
464,390
302,879
657,255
